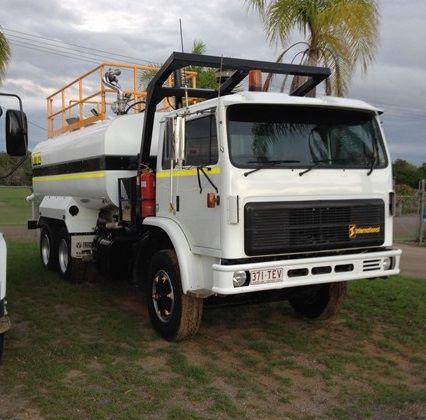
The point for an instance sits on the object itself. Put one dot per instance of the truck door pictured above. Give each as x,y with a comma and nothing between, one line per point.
199,177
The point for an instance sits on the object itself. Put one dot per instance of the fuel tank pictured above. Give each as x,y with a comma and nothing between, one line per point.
86,164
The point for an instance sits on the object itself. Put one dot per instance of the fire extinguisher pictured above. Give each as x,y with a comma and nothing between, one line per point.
147,192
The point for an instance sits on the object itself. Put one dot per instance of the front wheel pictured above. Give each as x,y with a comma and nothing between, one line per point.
322,303
70,269
173,315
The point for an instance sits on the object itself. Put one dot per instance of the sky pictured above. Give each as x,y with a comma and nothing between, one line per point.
149,31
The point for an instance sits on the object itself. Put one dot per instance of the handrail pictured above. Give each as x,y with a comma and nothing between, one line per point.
75,98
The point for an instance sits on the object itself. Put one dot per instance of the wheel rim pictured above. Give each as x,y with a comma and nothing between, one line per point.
163,297
63,255
45,249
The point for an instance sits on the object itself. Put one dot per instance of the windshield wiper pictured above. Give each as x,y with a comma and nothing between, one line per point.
372,164
267,162
317,163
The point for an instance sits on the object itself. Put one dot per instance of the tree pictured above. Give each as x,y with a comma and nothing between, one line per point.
4,55
206,77
22,176
339,34
406,173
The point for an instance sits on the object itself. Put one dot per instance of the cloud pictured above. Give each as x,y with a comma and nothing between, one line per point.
149,30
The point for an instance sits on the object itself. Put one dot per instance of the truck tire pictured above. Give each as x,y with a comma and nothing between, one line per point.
323,304
173,315
70,269
48,248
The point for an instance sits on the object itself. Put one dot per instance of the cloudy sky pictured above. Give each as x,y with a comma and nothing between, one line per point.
149,31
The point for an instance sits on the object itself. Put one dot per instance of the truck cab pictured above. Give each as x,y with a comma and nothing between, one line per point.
280,191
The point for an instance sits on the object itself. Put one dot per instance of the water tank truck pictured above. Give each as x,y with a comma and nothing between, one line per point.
206,195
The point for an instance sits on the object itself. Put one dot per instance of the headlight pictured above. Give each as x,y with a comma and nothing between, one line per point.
239,278
387,263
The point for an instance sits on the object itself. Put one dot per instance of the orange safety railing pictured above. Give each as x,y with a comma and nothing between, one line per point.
68,108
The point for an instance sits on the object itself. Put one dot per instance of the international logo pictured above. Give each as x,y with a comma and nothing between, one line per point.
355,231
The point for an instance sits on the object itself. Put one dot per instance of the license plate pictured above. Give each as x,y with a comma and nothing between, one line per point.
271,275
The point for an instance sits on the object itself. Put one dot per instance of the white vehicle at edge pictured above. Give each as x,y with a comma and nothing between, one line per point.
283,196
16,145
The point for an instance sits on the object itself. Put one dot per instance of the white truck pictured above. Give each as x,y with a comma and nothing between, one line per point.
240,196
16,145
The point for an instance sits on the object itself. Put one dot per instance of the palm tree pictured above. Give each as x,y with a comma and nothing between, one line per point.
339,34
4,55
206,77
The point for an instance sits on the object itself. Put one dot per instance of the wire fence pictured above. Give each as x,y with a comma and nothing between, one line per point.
410,216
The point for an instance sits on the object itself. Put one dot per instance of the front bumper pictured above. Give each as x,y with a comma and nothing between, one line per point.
5,324
365,265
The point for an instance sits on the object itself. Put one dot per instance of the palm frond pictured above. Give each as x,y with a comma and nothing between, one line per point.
341,33
5,55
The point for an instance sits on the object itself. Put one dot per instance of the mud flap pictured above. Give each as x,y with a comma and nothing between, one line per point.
5,324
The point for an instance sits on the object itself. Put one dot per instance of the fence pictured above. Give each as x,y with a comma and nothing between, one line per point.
409,221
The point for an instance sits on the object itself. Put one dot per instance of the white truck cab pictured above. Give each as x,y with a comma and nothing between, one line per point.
302,186
240,196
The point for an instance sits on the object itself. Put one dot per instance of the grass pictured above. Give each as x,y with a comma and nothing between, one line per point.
14,210
88,351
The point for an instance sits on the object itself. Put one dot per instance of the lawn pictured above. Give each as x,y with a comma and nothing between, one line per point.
80,351
14,210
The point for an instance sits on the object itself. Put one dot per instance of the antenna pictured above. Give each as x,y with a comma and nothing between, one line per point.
183,74
181,34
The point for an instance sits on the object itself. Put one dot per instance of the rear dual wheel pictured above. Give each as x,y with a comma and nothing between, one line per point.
48,248
69,268
173,315
55,254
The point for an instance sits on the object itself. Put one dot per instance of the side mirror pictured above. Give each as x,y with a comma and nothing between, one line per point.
179,140
16,133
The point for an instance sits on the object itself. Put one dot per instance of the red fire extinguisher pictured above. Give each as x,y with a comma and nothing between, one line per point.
147,192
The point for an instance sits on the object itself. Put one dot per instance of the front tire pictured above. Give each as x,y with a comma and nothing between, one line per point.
48,248
323,303
173,315
70,269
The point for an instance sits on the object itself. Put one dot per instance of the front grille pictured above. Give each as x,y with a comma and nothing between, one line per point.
279,227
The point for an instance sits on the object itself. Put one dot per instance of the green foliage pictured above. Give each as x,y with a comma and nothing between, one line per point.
408,174
4,55
402,189
22,176
339,34
206,78
14,209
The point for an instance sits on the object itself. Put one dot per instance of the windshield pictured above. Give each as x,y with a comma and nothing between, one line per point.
276,136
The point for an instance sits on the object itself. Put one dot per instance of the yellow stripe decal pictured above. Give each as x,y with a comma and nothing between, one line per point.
187,172
70,177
